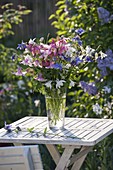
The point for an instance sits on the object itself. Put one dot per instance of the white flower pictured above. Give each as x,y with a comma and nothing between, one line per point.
107,89
27,60
27,93
4,86
97,109
32,41
108,105
13,97
37,103
48,84
41,39
103,55
70,52
59,83
67,66
89,50
72,83
20,84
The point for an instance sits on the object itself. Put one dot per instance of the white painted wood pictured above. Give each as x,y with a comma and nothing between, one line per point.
77,164
28,159
84,150
20,157
78,131
64,160
54,153
102,134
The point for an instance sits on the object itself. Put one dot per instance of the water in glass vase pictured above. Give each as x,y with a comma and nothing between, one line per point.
55,107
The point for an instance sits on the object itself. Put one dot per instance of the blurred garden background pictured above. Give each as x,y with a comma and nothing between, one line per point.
21,20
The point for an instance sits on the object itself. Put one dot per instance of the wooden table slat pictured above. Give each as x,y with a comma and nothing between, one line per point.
77,131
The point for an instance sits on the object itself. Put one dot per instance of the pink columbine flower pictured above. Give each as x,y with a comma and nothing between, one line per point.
40,78
36,63
27,60
46,63
1,92
19,72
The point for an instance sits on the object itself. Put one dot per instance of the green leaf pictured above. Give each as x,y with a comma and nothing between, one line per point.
62,17
51,16
61,32
30,130
62,6
25,12
59,11
45,132
54,23
71,93
60,2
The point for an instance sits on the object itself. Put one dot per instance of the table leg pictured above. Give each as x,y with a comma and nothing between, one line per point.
54,153
77,165
79,158
63,160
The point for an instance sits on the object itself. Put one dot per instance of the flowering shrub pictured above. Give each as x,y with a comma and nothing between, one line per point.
60,63
96,18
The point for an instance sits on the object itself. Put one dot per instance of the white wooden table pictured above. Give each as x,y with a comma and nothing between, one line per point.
82,133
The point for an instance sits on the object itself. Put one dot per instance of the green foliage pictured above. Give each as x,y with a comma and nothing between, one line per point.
9,17
73,14
16,95
69,16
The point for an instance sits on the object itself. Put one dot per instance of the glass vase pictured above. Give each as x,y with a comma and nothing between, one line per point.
55,108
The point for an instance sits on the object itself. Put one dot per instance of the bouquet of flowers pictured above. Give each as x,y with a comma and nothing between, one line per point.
58,64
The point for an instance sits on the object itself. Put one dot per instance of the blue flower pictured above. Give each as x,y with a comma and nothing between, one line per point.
78,40
103,14
105,63
88,59
79,31
13,57
21,46
89,88
66,58
7,127
76,61
57,66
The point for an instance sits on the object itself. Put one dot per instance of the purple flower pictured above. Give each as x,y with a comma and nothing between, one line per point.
19,72
103,15
79,31
7,127
66,58
36,63
40,78
27,60
109,53
88,59
89,88
21,46
78,40
76,61
1,92
57,66
105,63
13,57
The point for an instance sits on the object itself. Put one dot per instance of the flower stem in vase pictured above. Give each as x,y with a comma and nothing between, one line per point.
55,107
